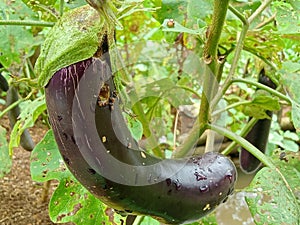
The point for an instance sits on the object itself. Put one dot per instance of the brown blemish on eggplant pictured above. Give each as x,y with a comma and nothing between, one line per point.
104,95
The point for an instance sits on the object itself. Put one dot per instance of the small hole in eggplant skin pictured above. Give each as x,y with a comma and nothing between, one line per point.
59,117
168,181
65,136
66,159
91,171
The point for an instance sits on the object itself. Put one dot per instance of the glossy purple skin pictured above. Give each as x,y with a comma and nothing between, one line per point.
258,135
191,193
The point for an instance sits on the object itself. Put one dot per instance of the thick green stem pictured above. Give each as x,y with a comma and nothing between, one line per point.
245,144
244,131
210,57
215,30
27,23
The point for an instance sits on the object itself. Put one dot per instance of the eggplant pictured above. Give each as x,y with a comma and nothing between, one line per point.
3,82
94,141
258,135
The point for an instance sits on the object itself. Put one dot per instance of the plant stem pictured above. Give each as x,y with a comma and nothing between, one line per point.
27,23
187,148
189,90
268,21
236,104
239,46
258,55
138,110
238,14
234,64
245,144
61,7
259,10
244,131
13,105
210,82
264,87
210,56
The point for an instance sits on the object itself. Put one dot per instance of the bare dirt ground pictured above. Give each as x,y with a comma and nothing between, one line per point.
21,199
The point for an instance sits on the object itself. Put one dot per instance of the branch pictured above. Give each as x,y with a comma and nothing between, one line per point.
32,23
245,144
264,87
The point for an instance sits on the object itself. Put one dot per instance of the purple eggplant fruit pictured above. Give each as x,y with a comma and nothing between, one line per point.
258,135
96,145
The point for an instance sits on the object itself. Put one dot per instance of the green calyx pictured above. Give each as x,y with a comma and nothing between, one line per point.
75,37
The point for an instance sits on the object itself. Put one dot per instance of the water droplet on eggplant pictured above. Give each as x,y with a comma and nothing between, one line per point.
204,188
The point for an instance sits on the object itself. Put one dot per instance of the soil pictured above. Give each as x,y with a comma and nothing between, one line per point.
23,201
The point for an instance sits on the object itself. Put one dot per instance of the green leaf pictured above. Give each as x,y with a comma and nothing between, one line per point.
30,111
5,158
166,88
179,28
292,86
174,9
291,67
192,12
16,41
296,115
198,10
295,4
208,220
70,202
290,145
75,37
261,102
135,126
46,162
276,198
45,7
291,135
287,18
147,220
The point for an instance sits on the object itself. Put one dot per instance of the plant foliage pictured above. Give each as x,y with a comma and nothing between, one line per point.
167,72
